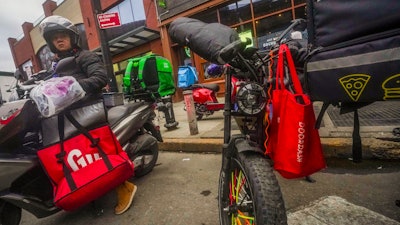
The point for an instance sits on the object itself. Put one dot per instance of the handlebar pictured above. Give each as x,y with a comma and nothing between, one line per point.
298,24
230,51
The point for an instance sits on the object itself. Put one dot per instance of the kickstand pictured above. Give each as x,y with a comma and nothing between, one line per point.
97,209
309,179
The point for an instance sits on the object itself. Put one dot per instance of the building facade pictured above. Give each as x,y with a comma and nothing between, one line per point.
260,20
137,35
145,25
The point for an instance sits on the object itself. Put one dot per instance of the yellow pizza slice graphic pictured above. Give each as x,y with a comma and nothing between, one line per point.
354,84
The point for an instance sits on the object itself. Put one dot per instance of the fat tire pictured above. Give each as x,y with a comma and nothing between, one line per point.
265,190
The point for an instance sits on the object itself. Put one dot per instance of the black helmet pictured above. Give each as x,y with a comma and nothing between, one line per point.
53,24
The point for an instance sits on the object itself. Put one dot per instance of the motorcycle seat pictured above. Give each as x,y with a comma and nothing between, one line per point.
213,87
116,113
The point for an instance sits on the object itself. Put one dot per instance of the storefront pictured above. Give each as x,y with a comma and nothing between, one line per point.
260,20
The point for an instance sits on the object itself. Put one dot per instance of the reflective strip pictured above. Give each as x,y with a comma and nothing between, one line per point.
355,60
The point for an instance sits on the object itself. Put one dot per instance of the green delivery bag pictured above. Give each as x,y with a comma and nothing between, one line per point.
151,73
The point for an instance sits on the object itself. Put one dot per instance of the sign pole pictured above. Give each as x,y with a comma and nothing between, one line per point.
105,50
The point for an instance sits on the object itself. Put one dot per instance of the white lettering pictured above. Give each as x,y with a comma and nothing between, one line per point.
300,143
76,160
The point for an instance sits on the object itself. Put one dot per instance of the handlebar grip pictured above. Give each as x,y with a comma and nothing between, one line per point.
230,51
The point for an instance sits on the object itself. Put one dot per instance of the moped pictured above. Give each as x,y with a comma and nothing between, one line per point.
23,182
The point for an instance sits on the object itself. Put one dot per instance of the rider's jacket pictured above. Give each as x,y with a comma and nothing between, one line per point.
89,70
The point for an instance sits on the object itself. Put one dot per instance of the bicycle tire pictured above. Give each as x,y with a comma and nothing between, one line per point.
267,206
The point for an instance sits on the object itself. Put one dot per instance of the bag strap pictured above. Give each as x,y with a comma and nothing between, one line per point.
357,146
60,156
284,51
324,107
94,141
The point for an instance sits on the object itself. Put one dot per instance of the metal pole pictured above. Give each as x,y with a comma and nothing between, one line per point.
191,112
105,50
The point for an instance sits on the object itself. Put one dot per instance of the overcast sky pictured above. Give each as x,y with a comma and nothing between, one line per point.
12,15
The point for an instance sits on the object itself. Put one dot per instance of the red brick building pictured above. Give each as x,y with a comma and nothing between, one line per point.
147,30
137,35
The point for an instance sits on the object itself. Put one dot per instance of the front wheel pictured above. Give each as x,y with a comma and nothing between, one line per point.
249,192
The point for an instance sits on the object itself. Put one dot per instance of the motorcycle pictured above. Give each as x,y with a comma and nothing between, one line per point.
23,182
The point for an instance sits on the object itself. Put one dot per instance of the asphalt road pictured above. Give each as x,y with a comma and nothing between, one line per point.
182,190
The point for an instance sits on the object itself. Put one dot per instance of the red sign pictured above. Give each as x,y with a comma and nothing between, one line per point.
108,20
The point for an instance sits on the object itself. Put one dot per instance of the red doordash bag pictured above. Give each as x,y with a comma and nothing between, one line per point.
294,143
86,166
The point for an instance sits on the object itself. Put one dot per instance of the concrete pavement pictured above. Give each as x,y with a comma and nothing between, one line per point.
377,122
336,210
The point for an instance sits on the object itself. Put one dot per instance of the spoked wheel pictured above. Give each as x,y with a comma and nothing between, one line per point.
249,193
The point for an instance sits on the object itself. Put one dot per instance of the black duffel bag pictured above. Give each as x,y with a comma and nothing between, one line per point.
205,39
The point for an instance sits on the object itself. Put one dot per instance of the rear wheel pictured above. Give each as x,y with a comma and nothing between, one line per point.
146,157
249,192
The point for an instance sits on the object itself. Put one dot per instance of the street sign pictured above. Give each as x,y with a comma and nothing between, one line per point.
108,20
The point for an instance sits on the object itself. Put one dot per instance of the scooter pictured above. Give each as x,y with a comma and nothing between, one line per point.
205,99
23,182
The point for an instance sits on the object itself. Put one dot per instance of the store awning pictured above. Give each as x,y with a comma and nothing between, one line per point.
131,39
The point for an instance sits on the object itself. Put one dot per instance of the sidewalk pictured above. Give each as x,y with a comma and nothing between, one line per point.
376,124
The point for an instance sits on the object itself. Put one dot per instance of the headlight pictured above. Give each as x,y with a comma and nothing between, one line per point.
251,98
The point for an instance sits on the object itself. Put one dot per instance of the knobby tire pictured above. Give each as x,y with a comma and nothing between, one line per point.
249,192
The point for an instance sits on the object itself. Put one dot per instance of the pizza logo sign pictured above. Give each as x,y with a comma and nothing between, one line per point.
354,84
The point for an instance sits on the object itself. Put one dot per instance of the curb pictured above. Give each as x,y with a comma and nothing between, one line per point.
373,148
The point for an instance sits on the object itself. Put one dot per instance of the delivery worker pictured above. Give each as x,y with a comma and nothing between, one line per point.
62,37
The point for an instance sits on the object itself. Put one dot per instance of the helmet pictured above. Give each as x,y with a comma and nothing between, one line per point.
214,70
53,24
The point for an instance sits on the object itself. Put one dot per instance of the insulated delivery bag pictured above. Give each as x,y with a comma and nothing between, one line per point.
149,74
82,156
355,50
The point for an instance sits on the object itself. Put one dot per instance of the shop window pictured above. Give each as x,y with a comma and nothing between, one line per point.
264,7
297,2
237,12
269,28
185,56
300,12
246,31
207,17
129,11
